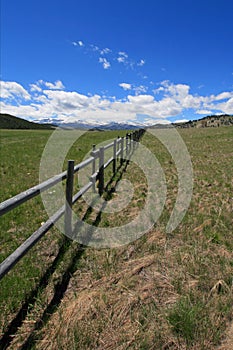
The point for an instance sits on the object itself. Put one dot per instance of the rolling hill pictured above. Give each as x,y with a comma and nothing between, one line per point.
208,121
8,121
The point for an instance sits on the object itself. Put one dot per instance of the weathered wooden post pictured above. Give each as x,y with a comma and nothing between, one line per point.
134,142
127,144
122,150
93,169
114,157
118,147
130,142
101,170
69,197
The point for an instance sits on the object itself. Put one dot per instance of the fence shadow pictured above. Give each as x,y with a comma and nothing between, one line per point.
31,299
62,286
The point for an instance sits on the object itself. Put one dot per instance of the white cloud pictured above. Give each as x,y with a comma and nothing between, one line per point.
105,51
67,101
226,107
158,90
141,99
203,111
224,96
178,91
35,88
141,63
123,54
125,86
113,56
78,43
150,121
168,107
19,111
13,90
181,121
94,47
54,86
201,104
122,57
140,89
137,89
71,105
57,85
106,64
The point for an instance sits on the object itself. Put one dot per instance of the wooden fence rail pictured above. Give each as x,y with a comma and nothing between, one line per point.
122,148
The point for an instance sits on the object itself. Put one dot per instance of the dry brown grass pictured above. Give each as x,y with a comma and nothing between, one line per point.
127,307
106,313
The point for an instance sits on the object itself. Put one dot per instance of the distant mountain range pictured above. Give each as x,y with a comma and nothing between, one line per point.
208,121
8,121
100,126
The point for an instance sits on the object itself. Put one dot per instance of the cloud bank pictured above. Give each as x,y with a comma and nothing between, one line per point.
43,100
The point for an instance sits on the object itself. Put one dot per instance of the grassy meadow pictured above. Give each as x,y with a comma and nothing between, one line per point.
163,291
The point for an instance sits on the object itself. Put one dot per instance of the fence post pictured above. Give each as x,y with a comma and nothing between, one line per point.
101,170
133,143
122,150
130,142
93,170
69,196
114,157
127,145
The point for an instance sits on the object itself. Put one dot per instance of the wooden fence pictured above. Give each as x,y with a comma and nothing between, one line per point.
122,148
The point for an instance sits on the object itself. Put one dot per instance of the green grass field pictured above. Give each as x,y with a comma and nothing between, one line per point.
21,151
163,291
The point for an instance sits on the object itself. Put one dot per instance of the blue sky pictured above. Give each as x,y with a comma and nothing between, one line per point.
140,61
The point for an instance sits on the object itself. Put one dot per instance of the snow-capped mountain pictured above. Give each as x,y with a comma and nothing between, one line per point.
79,124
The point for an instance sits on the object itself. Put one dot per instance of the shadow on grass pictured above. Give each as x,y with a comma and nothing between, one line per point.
60,287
